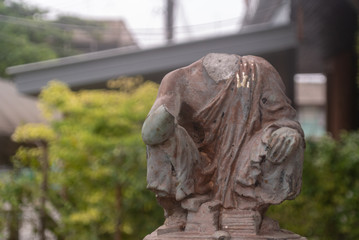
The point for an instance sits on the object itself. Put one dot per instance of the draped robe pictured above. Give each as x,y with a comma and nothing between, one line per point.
218,147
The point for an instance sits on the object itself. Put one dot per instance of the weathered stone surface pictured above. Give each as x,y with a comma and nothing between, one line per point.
220,66
223,145
244,221
222,235
205,219
158,127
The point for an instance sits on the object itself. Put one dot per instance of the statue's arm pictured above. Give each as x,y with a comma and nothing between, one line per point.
158,127
282,143
282,135
160,122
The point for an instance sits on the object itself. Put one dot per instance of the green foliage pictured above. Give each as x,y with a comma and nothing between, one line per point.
97,176
328,205
25,37
18,188
33,132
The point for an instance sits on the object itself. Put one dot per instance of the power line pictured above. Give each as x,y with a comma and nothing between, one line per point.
138,31
64,26
140,34
6,38
41,24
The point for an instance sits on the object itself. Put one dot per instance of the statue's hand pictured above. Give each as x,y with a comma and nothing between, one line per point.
281,143
158,126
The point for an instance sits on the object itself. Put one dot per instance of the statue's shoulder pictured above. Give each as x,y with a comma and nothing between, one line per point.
174,76
183,75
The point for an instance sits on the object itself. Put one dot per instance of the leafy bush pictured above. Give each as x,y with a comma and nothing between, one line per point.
96,164
328,206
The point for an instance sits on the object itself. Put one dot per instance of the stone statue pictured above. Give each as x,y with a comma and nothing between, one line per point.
222,146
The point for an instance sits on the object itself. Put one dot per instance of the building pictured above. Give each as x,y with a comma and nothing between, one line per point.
298,36
105,35
15,109
310,99
326,44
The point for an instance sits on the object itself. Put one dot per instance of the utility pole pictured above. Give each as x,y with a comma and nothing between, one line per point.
169,20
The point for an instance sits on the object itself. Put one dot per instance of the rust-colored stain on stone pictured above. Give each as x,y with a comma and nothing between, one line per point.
223,145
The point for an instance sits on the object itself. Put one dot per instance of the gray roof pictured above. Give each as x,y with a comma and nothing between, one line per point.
98,67
15,108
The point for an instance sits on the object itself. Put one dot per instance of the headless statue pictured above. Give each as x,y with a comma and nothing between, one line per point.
222,146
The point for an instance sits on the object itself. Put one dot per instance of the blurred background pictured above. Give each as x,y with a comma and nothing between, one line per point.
77,79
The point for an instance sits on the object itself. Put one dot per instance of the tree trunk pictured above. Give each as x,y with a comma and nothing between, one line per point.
44,187
118,210
13,224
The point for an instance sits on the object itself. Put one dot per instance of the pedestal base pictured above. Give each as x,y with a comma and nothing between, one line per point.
211,222
279,235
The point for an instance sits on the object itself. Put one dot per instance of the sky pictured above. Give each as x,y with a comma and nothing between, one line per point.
145,18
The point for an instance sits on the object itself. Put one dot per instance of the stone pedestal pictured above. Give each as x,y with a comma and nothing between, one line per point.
211,222
282,235
242,221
